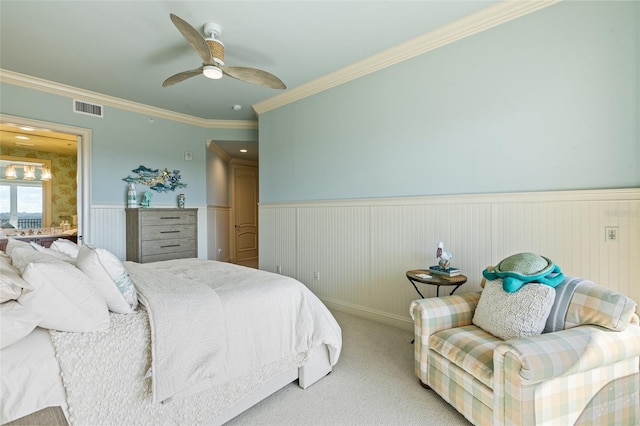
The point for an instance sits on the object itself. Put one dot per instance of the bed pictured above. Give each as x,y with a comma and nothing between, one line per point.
185,341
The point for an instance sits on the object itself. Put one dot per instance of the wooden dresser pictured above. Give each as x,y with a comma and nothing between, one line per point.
155,234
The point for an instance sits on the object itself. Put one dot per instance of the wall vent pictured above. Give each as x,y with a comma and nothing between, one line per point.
87,108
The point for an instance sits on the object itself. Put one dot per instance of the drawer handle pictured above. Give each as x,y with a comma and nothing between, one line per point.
168,232
170,245
170,217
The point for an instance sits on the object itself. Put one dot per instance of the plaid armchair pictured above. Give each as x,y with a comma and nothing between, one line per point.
586,373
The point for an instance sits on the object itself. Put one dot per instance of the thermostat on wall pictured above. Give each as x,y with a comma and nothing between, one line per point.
188,156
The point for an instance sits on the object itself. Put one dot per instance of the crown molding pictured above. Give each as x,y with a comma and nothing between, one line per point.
243,162
30,82
484,19
212,146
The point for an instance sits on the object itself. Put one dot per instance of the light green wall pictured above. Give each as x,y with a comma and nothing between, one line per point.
123,140
218,180
549,101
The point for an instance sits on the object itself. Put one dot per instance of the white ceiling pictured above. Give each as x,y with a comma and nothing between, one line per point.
126,49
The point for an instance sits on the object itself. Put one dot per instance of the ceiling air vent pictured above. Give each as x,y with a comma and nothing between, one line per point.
87,108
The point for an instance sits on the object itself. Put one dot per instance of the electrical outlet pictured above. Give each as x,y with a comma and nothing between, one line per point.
611,234
316,276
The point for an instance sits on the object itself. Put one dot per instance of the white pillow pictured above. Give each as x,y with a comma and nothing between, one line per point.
55,253
66,247
63,296
12,244
22,256
17,322
11,283
110,277
512,315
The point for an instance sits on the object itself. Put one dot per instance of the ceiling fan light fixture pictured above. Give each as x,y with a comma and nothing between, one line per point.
212,72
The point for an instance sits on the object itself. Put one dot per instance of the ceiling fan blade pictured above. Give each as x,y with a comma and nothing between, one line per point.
255,76
193,37
181,76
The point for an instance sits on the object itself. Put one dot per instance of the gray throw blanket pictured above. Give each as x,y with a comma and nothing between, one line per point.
187,333
564,293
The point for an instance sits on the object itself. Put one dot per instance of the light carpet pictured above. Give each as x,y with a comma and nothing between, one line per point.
372,384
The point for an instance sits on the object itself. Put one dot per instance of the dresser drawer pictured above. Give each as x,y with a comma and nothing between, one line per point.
167,256
164,232
152,218
167,246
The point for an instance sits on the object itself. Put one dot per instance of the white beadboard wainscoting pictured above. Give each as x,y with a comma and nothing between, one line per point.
107,229
218,223
354,253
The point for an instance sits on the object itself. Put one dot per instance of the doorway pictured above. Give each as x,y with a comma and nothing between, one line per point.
244,206
67,150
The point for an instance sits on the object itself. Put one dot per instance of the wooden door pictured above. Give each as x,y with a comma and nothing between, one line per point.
245,213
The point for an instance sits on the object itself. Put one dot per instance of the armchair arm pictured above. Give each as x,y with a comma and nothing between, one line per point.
435,314
440,313
565,352
553,378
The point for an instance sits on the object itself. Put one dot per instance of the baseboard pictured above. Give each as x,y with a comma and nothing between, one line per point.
370,314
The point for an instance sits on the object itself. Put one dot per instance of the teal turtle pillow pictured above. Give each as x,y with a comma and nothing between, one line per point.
521,313
523,268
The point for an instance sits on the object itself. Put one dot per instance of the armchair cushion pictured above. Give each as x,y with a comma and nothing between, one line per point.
468,347
512,315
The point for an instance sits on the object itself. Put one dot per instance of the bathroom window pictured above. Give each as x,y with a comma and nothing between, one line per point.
24,203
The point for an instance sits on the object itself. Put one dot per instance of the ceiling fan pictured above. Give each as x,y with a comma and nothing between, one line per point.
211,51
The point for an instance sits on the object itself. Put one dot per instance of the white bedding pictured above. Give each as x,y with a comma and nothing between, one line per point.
245,319
103,371
31,363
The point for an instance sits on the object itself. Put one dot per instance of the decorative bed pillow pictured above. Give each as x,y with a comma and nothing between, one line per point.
110,277
512,315
63,296
66,247
17,322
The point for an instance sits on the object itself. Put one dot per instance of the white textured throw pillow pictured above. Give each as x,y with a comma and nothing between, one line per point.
17,322
512,315
63,296
109,276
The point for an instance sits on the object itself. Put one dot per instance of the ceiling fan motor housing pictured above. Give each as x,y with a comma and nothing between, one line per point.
217,50
213,31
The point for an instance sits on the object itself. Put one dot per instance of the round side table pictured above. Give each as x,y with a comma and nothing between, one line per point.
437,280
